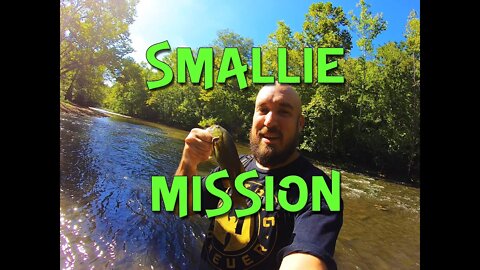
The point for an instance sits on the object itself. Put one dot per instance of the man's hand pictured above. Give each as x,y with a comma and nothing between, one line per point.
302,261
198,148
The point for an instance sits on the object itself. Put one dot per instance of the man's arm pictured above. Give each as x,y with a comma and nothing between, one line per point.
315,236
302,261
198,147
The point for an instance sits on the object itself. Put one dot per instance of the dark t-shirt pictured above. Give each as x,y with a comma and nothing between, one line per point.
261,240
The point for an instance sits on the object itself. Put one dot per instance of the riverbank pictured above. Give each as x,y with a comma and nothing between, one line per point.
78,110
364,172
71,108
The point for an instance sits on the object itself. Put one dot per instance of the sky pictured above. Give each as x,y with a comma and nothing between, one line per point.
193,23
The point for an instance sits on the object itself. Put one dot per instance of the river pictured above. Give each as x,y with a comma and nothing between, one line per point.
106,222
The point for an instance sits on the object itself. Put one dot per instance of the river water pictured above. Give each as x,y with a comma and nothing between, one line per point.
106,222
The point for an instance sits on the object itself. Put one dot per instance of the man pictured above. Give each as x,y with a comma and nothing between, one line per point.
268,240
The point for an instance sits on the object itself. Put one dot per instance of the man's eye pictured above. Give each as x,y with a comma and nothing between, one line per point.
283,112
263,110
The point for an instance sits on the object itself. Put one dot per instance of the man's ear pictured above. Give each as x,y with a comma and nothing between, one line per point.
301,123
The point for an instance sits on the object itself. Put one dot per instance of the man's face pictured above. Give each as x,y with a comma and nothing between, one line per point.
277,122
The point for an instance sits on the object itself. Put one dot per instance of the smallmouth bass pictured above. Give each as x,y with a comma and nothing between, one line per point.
226,155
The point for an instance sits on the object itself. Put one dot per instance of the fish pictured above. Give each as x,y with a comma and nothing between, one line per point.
225,153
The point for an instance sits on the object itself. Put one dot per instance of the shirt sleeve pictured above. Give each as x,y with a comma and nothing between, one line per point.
315,233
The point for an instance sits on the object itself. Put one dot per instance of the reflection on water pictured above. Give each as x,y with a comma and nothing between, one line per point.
105,209
106,218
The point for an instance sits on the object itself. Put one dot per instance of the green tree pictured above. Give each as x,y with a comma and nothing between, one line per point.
177,104
129,94
367,27
226,38
394,109
93,35
88,88
226,104
325,26
412,44
282,38
412,47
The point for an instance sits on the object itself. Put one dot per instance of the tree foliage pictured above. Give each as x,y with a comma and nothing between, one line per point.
367,27
93,35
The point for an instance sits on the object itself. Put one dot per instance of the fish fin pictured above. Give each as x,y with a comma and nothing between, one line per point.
214,140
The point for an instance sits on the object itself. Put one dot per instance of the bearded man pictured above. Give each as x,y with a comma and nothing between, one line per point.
276,239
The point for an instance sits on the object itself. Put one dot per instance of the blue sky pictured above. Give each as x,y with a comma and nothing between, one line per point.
194,23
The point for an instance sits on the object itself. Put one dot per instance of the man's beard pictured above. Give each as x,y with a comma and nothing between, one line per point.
270,156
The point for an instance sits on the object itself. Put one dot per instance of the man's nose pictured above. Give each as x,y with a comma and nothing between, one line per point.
270,120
